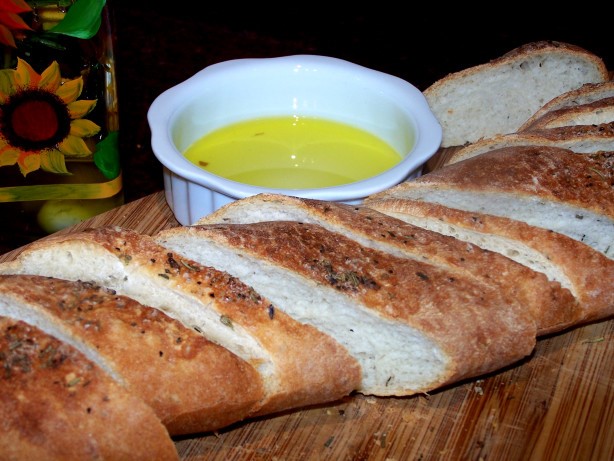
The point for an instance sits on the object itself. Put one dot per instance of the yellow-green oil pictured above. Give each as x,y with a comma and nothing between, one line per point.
290,152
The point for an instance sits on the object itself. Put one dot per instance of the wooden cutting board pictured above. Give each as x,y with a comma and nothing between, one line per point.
555,405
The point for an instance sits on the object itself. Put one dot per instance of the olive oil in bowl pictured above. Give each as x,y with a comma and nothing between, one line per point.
291,152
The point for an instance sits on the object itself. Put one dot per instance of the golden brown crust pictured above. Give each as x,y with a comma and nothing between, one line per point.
302,380
57,405
152,353
563,176
470,320
590,271
555,306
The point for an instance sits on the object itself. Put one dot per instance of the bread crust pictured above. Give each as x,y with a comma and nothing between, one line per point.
590,272
474,103
582,139
552,45
151,352
554,306
300,380
560,176
478,329
55,404
593,113
587,93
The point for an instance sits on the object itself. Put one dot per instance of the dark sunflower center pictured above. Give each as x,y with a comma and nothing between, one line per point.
34,120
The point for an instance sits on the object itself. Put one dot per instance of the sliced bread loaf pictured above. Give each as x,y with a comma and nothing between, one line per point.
298,364
412,326
499,96
547,187
149,353
554,306
587,93
593,113
587,273
58,405
581,139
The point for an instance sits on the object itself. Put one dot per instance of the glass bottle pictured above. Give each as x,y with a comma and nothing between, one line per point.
59,156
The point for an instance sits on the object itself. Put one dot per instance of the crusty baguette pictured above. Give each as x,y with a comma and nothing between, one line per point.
497,97
593,113
547,187
555,307
413,326
225,310
587,273
586,94
581,139
142,348
57,405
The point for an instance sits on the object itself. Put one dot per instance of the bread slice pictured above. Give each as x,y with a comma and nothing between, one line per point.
587,93
546,187
497,97
57,405
587,273
581,139
554,306
412,326
193,385
299,365
594,113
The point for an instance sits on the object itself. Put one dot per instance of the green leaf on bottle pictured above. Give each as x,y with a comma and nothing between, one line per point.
82,20
106,156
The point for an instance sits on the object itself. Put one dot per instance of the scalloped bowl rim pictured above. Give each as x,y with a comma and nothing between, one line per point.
169,106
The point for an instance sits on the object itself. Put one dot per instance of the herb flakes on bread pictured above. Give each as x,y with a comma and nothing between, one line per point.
554,306
146,351
56,404
221,307
413,326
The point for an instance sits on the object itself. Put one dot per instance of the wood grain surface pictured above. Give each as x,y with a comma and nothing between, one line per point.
556,405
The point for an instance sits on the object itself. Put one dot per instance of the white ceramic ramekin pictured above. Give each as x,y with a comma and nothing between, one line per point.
302,85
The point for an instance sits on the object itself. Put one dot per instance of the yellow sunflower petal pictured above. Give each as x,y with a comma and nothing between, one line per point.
53,161
7,84
8,157
29,162
25,75
83,128
70,90
74,146
51,78
81,108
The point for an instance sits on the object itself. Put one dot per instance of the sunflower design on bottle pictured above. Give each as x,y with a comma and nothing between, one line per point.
41,119
59,156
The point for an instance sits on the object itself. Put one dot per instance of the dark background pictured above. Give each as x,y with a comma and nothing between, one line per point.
160,44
